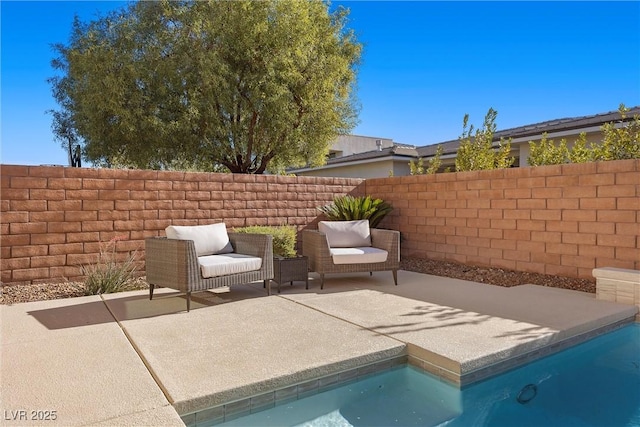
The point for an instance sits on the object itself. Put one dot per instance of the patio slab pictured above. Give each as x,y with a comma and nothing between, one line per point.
67,362
246,345
121,359
464,331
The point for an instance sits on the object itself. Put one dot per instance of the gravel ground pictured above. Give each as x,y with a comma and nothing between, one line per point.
494,276
46,291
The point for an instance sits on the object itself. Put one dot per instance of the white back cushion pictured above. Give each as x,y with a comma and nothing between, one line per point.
208,239
346,234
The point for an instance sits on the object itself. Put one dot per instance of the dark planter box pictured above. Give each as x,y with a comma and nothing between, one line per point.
291,270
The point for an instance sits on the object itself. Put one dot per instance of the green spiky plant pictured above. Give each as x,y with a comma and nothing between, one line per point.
348,208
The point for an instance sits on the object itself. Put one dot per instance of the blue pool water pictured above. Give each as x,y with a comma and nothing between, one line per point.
593,384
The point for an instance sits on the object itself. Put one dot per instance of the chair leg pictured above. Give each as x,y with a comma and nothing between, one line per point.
267,284
151,287
395,276
188,301
371,273
321,280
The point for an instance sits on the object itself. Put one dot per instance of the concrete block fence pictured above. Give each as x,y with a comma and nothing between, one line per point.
54,219
563,220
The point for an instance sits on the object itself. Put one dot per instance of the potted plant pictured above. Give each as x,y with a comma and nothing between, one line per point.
284,238
288,266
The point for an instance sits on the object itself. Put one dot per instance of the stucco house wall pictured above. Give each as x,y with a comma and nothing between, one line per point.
346,145
364,170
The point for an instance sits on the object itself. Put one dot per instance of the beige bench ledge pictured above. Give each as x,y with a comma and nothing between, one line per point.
618,285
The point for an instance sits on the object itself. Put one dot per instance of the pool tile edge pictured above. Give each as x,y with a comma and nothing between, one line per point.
239,408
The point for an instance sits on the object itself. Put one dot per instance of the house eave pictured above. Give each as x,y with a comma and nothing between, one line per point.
393,158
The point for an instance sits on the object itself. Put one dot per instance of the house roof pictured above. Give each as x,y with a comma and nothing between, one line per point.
404,151
399,150
536,129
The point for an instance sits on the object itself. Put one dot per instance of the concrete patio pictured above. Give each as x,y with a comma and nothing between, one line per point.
120,359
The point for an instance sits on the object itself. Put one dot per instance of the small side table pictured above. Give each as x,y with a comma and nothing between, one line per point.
290,270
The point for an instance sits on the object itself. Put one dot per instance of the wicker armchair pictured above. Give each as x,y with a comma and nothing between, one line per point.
315,246
173,264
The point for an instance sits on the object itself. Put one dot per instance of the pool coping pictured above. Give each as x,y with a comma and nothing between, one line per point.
505,365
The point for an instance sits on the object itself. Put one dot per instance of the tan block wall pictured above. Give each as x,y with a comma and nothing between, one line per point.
54,218
563,220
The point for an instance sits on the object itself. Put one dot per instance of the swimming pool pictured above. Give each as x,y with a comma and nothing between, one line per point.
596,383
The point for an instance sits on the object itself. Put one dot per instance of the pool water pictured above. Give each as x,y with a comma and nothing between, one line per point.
596,383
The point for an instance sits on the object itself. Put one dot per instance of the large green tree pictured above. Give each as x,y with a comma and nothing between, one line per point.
249,86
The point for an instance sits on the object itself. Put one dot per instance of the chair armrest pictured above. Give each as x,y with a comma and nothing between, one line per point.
314,242
316,248
389,240
170,262
258,245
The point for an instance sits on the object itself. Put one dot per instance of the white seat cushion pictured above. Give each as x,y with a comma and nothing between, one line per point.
225,264
208,239
361,255
346,234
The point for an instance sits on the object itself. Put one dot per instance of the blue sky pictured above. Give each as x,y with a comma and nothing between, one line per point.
425,65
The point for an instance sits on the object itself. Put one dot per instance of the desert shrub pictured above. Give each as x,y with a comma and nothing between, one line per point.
581,152
476,151
546,152
620,141
347,208
107,274
418,167
284,237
